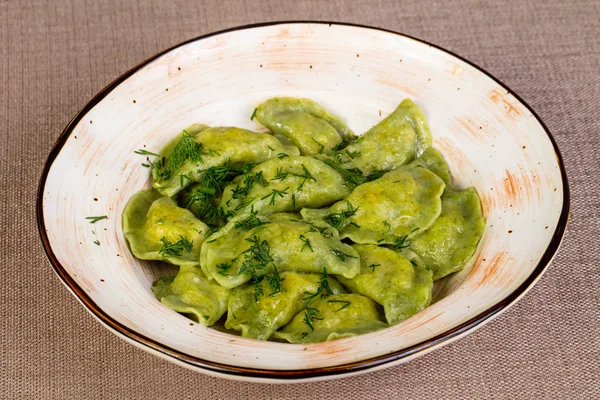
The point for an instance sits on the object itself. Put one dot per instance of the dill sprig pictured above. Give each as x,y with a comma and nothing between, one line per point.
306,176
258,290
338,220
281,156
223,268
402,241
273,195
93,220
248,182
293,201
280,175
324,231
373,266
97,242
321,147
146,153
202,198
256,259
176,249
311,313
306,244
275,281
341,255
187,149
345,303
352,154
250,222
253,114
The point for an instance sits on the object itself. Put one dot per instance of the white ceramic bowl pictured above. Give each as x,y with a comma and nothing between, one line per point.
491,139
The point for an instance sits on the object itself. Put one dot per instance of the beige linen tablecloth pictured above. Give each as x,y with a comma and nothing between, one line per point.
55,55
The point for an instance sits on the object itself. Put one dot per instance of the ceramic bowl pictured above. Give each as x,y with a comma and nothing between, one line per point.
491,139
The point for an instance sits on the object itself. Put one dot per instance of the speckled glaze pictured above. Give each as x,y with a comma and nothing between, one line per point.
490,138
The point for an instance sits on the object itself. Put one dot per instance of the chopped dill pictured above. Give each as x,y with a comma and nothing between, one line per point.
341,255
146,153
93,220
253,114
373,266
176,249
338,220
345,303
223,268
273,195
251,221
306,175
402,241
306,244
321,147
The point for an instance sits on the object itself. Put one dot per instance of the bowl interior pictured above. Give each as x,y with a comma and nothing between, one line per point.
490,140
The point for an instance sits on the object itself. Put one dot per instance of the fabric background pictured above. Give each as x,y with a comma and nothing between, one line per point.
55,55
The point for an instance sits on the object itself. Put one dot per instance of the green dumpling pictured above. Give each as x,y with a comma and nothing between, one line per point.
253,246
260,316
451,241
185,159
402,287
157,229
399,205
191,294
285,184
308,125
395,141
336,316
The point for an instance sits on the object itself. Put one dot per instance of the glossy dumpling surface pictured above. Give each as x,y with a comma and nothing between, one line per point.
286,184
451,241
402,203
157,229
308,125
338,316
402,287
393,142
185,159
260,316
191,294
278,241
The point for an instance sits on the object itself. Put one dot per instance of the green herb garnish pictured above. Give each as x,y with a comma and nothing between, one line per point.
402,241
306,244
345,303
373,266
311,313
275,281
321,147
341,255
223,268
96,242
282,155
338,220
253,114
176,249
306,175
280,175
146,153
251,221
93,220
274,193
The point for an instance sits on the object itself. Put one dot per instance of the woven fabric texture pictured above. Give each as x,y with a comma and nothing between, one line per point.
55,55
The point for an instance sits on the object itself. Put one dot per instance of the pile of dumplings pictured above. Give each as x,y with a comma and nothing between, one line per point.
306,233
